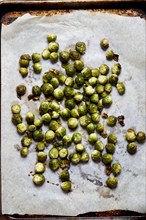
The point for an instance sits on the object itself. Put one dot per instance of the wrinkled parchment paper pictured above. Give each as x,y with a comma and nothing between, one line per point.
28,35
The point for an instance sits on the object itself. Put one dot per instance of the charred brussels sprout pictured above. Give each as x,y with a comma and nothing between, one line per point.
80,47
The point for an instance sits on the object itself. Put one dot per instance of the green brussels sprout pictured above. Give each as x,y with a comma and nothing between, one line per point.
53,46
26,141
37,67
69,91
113,79
104,43
17,119
63,153
82,109
132,147
92,108
84,157
51,37
30,118
89,90
140,137
36,90
58,93
116,68
107,159
69,81
86,73
78,97
21,128
85,120
21,90
47,89
77,138
80,47
54,82
24,60
79,80
110,55
60,132
70,70
38,179
46,54
95,72
112,182
47,76
44,108
100,105
110,148
41,156
78,65
53,153
65,113
120,88
54,164
95,117
75,158
55,115
99,89
102,79
92,81
130,135
46,118
64,175
54,106
107,101
116,169
67,140
94,98
40,146
64,163
96,155
112,138
99,146
38,135
72,123
23,71
54,125
23,63
74,55
92,138
99,128
31,128
49,135
74,113
38,123
79,148
36,57
39,167
90,128
15,109
108,87
62,78
70,103
111,120
104,69
24,151
53,57
104,94
64,56
66,186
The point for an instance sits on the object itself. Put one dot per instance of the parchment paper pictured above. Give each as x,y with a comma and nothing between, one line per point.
28,35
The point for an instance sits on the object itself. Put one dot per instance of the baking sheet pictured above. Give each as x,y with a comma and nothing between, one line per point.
28,35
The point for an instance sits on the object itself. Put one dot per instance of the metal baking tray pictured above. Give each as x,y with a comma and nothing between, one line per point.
11,10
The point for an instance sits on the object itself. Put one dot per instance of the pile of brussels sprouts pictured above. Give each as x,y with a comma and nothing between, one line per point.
84,92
